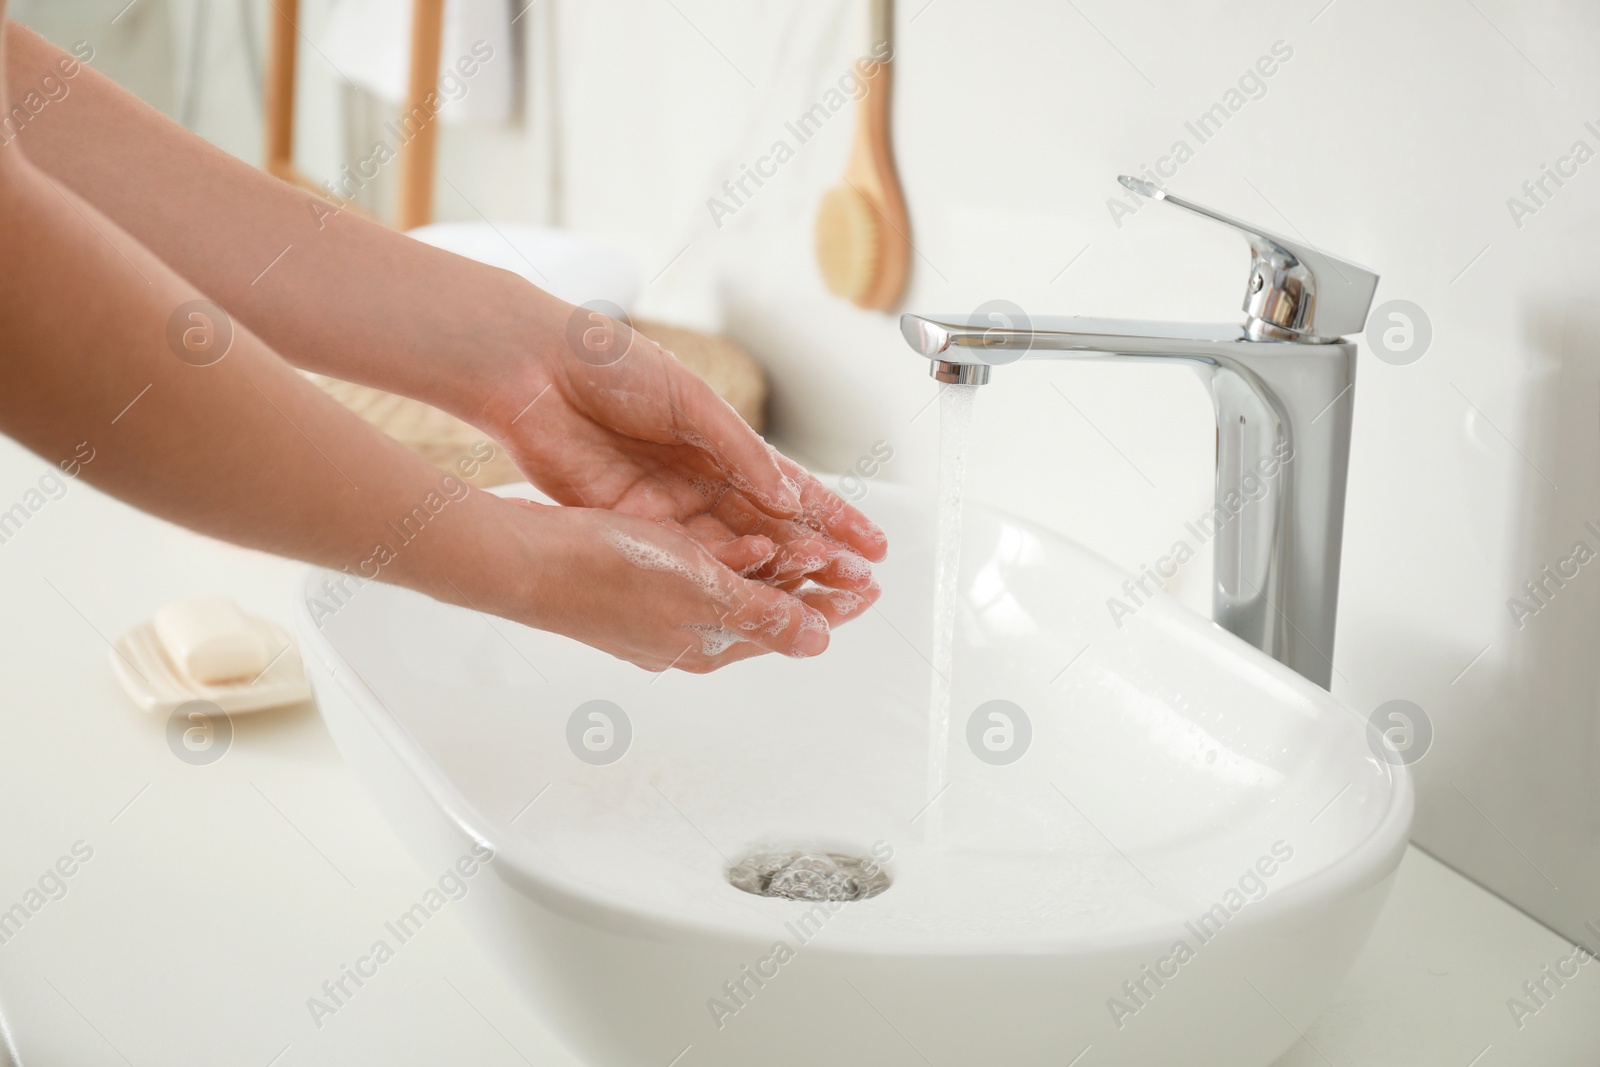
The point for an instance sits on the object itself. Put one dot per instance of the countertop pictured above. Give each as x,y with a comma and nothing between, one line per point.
216,899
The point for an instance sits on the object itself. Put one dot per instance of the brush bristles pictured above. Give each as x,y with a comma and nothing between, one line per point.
848,243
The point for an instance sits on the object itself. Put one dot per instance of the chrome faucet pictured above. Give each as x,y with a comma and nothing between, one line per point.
1281,386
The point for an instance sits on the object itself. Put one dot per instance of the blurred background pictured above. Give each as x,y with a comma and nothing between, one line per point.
1401,135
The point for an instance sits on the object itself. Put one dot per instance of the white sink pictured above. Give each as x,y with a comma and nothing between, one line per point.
1170,765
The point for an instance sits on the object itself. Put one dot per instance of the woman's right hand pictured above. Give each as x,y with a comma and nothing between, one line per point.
650,594
613,420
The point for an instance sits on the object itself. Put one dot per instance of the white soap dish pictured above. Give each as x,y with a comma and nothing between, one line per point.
149,676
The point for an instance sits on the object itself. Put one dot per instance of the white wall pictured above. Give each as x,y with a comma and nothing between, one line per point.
1393,135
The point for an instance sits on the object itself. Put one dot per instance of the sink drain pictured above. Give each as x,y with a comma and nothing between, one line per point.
809,876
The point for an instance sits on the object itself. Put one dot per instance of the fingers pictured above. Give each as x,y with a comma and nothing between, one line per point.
740,554
817,560
706,421
766,617
800,551
744,555
733,611
824,510
752,615
793,560
839,606
650,396
775,620
845,570
780,551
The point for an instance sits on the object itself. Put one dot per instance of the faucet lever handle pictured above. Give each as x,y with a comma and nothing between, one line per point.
1295,292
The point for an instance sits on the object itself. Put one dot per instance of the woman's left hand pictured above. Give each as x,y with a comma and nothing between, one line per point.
613,420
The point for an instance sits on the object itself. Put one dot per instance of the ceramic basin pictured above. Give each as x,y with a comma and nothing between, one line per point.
1179,865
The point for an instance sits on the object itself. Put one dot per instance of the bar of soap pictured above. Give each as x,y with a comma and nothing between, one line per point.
211,640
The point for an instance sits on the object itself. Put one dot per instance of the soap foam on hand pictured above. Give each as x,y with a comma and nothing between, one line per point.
211,641
654,557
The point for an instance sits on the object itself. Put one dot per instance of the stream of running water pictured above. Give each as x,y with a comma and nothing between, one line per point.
955,420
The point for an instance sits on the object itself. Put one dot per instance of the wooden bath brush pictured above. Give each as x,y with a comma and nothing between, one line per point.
862,234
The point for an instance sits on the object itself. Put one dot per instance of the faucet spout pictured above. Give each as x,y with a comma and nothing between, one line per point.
1283,412
1281,387
947,339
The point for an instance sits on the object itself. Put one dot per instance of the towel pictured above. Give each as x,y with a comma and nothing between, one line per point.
369,43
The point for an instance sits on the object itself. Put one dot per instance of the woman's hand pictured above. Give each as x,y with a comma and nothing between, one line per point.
637,434
650,594
609,419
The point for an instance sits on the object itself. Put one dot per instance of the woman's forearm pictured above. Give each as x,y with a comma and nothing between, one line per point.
244,448
329,290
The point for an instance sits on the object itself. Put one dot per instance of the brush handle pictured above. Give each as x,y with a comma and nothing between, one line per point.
871,170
